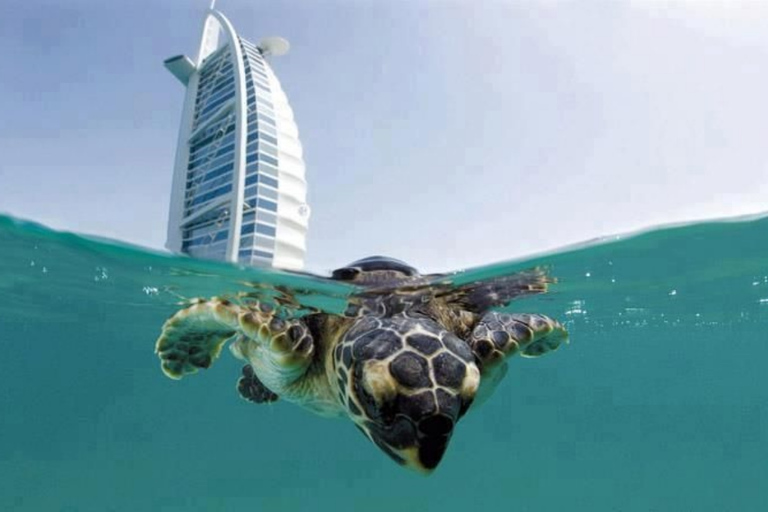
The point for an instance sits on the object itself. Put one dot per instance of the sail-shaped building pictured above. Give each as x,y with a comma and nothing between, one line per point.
239,188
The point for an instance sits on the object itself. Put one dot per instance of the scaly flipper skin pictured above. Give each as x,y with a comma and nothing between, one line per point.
193,337
279,349
252,389
499,335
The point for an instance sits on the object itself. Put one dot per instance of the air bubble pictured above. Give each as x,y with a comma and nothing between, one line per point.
101,274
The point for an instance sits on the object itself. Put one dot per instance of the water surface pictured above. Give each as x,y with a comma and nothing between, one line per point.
660,401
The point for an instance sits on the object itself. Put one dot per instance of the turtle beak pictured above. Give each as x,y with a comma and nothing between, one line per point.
419,449
425,457
412,461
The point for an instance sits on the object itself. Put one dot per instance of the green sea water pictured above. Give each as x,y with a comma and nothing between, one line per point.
659,402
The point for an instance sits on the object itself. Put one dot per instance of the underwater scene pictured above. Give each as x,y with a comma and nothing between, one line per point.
659,401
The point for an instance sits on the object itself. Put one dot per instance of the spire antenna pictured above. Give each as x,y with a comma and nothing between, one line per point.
213,4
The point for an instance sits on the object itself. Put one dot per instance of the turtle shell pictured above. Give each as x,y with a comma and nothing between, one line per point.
374,264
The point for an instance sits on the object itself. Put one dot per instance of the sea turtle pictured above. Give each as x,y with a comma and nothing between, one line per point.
404,362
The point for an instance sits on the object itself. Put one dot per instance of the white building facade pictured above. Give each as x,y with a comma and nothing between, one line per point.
239,188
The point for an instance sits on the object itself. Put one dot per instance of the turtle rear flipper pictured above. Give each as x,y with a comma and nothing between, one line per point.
481,296
252,389
193,337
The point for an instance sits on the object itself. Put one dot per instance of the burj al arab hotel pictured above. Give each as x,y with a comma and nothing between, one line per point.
239,192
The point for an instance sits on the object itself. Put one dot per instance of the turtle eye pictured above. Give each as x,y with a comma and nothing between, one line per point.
346,273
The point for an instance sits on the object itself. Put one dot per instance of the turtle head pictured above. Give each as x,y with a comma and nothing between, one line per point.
404,401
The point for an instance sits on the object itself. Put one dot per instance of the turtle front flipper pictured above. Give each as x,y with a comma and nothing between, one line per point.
498,335
278,346
193,337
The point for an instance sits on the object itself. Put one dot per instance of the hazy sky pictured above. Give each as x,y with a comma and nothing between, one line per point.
449,134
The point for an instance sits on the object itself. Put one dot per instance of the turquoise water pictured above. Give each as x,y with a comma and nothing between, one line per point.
660,401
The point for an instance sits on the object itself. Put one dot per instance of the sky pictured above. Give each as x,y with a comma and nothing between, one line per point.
450,134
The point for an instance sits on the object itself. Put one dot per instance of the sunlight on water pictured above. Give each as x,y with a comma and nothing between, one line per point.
659,402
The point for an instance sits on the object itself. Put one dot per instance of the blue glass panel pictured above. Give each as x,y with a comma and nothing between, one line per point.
268,205
263,95
268,169
265,230
262,216
268,129
214,104
265,111
201,143
269,138
222,91
193,189
213,142
218,171
269,193
221,86
199,231
220,214
262,241
269,181
263,101
270,150
206,157
216,162
267,158
210,195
